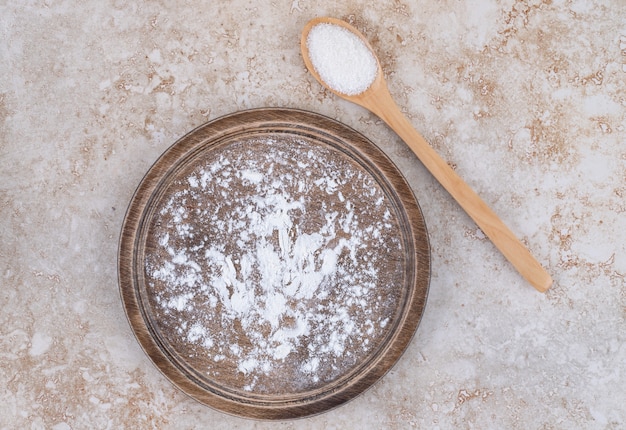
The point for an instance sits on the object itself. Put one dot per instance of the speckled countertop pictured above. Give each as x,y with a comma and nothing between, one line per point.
525,99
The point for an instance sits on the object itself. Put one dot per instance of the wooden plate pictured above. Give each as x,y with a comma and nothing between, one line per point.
274,263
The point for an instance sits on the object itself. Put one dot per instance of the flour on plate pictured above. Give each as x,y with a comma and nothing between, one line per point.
275,264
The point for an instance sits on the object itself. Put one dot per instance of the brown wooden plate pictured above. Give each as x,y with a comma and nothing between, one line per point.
274,263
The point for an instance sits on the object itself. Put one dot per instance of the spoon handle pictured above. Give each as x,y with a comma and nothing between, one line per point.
382,104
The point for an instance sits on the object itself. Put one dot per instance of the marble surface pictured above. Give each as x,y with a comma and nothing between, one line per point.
526,99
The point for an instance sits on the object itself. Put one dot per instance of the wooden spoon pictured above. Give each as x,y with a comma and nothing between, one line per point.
378,100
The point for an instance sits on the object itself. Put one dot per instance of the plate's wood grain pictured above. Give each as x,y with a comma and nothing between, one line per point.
402,276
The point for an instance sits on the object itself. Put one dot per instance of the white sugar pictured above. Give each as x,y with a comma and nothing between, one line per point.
341,59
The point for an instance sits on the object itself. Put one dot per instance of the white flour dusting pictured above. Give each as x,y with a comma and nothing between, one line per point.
267,262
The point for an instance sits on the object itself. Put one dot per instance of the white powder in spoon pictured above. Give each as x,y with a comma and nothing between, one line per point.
341,59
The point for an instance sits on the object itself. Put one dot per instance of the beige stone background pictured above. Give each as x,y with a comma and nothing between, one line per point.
525,98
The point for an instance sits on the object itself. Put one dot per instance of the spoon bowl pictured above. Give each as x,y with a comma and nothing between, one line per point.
361,99
378,100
